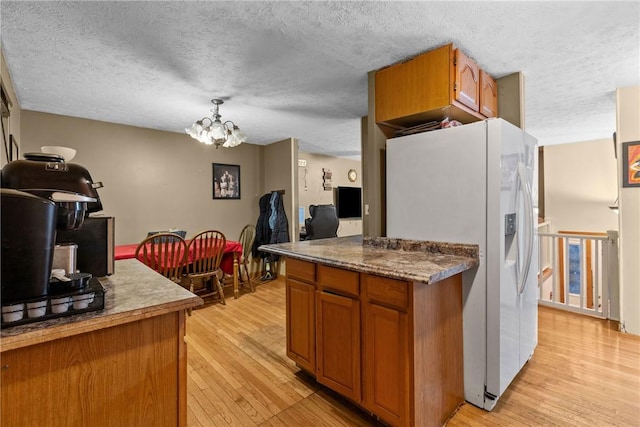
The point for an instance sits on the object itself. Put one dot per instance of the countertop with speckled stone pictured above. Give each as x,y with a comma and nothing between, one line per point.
419,261
134,292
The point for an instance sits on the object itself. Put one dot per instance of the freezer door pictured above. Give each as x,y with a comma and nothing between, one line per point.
529,294
511,256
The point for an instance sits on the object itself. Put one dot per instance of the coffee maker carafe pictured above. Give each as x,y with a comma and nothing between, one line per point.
40,195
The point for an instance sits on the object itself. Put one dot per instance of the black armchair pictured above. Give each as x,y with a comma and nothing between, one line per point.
323,222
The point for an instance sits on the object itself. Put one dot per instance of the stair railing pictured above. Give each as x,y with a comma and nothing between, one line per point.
578,272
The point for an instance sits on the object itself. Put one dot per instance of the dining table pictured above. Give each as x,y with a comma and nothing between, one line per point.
229,263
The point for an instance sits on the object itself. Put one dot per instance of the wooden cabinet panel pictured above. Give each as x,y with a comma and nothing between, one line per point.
420,84
440,83
488,95
437,350
386,381
336,279
301,331
125,375
389,292
467,82
338,343
303,270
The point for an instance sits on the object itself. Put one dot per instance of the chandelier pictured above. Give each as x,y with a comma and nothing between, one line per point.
216,132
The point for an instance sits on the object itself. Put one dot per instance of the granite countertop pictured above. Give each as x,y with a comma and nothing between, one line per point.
419,261
134,292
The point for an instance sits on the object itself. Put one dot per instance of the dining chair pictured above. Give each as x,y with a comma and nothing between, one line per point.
247,236
205,254
165,253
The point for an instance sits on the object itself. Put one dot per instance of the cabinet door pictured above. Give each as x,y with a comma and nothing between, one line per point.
301,336
416,86
338,343
467,83
488,95
386,382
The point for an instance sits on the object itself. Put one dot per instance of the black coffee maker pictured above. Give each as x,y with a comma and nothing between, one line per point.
40,195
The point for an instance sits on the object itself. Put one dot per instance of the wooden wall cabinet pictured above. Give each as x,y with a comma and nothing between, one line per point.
466,86
488,95
393,347
441,83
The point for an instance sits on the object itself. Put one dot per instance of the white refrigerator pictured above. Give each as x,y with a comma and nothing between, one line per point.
477,184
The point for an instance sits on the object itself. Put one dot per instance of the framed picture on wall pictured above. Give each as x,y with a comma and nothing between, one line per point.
631,164
226,181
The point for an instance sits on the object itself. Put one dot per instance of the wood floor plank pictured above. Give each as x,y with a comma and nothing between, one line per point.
582,373
240,391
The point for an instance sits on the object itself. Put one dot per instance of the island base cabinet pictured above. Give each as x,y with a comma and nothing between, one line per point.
393,347
338,344
127,375
386,390
301,343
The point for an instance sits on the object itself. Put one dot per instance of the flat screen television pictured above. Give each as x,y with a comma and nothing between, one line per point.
349,202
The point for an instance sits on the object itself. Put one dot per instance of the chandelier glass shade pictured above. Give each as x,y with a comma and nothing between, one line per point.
215,132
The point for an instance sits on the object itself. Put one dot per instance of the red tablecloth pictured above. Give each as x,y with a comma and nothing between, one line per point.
129,251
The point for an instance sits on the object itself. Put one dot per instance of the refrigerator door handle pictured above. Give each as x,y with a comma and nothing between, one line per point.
529,224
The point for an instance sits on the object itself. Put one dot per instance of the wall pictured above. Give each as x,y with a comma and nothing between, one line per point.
153,180
580,184
373,169
628,129
311,190
11,124
511,99
279,159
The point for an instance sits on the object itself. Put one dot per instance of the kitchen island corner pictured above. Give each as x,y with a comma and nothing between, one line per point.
380,321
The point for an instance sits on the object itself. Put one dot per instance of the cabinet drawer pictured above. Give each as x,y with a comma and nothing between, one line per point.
386,291
337,279
303,270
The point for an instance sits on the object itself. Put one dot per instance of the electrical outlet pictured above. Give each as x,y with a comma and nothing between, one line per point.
302,163
366,209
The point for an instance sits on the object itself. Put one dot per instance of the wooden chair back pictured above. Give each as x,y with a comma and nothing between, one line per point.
247,236
205,252
165,253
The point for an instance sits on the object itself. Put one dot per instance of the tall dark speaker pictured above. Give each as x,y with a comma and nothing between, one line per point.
95,240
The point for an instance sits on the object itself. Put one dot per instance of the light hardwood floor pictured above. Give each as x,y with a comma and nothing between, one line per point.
582,373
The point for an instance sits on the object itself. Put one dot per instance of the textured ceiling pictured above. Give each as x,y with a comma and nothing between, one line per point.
299,69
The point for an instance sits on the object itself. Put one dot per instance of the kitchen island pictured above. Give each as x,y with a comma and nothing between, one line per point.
123,365
380,321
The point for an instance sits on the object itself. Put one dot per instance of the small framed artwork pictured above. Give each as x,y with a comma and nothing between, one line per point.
631,164
226,181
14,152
